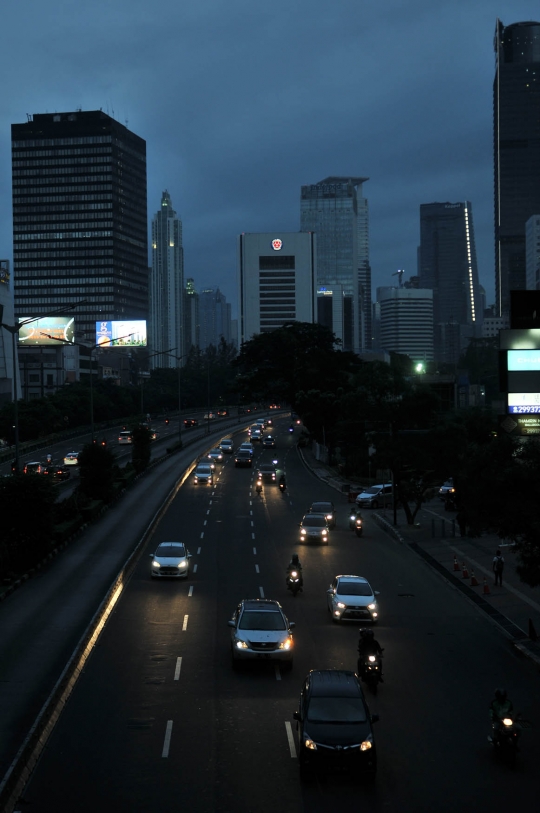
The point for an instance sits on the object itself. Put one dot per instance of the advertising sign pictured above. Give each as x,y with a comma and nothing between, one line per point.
527,339
524,403
39,332
523,361
128,333
520,424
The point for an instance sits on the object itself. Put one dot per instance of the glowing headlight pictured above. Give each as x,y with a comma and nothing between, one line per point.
366,745
324,532
372,658
196,479
286,644
508,721
155,564
182,564
341,605
329,516
241,645
303,531
294,574
310,744
372,606
375,615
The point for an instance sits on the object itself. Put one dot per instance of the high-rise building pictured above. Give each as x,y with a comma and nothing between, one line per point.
8,384
276,281
516,120
532,253
337,212
191,316
167,287
79,218
405,318
447,265
214,318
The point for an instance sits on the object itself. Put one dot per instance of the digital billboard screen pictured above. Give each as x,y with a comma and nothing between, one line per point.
523,403
49,330
127,333
521,361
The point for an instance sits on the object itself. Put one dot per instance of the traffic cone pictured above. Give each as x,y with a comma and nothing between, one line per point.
465,573
474,580
456,563
487,591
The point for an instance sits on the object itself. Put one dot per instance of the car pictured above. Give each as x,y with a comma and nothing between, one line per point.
314,528
260,423
125,438
216,455
351,598
204,474
376,496
326,508
171,560
34,467
189,423
222,413
254,428
243,457
226,446
71,459
57,472
267,472
335,725
256,436
447,489
208,416
269,442
247,446
261,631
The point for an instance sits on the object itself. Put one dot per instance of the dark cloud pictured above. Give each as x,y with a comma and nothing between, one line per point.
241,103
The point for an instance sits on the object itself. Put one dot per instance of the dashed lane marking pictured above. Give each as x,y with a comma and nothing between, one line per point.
184,625
290,739
255,551
256,568
190,592
261,591
178,668
199,550
194,568
278,671
167,743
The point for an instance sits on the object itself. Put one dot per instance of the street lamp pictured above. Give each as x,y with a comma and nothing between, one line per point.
14,330
179,368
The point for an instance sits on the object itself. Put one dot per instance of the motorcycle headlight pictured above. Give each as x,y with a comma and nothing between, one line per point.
508,721
286,644
294,574
310,744
372,658
366,745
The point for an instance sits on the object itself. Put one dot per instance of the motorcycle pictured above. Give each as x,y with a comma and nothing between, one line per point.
291,428
282,487
355,523
258,487
369,669
505,738
293,582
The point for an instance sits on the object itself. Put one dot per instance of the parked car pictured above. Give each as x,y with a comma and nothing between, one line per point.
71,459
377,496
204,474
226,446
261,631
314,528
326,508
335,725
351,598
171,560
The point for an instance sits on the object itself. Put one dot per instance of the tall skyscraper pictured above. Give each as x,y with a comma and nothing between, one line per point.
214,318
337,212
516,120
167,287
447,265
191,315
79,218
406,321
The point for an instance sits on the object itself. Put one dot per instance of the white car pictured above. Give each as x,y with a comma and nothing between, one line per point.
226,446
351,598
171,560
215,456
71,459
204,473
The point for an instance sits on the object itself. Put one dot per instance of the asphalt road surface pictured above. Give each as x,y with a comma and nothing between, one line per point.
159,720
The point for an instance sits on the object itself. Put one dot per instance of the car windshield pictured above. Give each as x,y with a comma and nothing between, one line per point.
255,620
373,490
203,470
267,469
314,522
336,710
354,589
173,551
216,451
321,508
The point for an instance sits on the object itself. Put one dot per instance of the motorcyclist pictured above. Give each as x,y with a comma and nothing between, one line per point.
258,486
291,427
282,482
296,565
354,515
368,645
501,706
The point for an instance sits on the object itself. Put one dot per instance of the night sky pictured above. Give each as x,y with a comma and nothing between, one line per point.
241,103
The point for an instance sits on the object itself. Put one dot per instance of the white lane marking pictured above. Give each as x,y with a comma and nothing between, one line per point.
290,738
199,550
251,513
194,568
210,503
205,521
256,568
184,625
208,512
252,523
278,671
190,593
250,502
261,591
253,536
202,535
255,551
166,744
178,667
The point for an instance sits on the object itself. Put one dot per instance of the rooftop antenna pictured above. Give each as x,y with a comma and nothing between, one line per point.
399,274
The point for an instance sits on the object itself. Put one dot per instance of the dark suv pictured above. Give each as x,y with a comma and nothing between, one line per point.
334,724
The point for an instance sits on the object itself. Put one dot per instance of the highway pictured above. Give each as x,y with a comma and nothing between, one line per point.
159,720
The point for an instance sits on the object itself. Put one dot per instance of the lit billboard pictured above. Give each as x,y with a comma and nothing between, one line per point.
521,361
129,333
51,330
523,402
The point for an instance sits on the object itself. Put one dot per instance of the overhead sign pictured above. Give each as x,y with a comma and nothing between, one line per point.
523,360
130,333
50,330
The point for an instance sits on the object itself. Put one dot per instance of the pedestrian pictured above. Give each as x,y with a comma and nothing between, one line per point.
498,567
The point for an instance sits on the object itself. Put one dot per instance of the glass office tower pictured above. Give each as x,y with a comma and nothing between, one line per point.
516,125
79,218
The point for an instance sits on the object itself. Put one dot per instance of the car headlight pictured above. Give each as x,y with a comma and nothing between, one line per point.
182,564
341,605
303,531
155,564
324,532
329,516
367,744
372,606
241,645
286,644
196,479
310,744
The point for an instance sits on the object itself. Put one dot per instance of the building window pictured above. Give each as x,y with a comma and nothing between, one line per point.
276,262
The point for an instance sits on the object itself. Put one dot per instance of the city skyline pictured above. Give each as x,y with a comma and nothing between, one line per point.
382,92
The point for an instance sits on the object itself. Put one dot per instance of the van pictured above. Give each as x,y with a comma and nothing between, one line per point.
125,437
378,496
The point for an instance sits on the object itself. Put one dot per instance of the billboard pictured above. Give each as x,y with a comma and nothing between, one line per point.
126,333
528,339
523,361
49,330
523,402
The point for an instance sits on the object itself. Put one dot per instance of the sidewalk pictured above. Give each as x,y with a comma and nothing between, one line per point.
514,607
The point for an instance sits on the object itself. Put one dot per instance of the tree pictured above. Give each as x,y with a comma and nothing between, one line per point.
97,465
141,447
26,509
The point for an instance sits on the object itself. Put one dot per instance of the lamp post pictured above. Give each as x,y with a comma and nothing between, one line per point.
179,368
14,330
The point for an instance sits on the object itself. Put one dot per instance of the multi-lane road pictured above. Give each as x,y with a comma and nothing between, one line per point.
159,721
